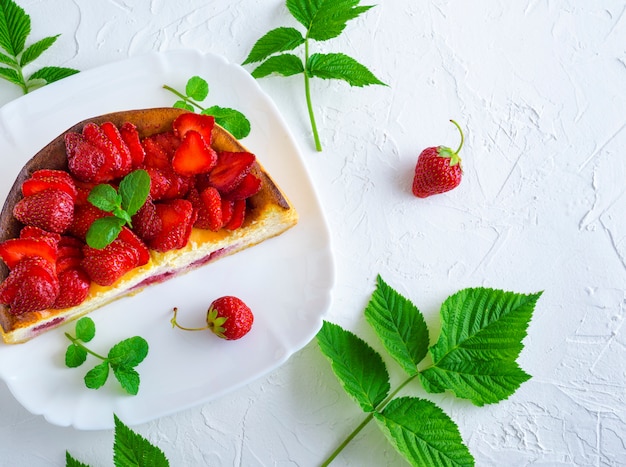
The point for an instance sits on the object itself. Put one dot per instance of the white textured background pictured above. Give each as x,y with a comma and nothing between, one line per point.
540,87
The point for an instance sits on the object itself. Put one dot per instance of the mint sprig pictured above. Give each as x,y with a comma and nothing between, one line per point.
122,358
15,27
475,357
196,91
323,20
123,203
129,449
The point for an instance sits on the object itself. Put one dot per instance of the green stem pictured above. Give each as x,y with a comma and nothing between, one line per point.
307,90
367,419
462,136
77,342
183,97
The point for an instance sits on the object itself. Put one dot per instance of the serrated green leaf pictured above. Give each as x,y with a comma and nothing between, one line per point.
134,190
423,433
10,75
97,376
103,231
75,356
275,41
129,352
197,88
128,379
399,325
359,368
104,197
85,329
481,338
33,51
14,27
50,74
341,66
71,462
6,60
284,64
325,19
132,449
234,121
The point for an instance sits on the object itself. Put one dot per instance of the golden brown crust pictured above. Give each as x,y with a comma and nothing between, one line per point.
148,122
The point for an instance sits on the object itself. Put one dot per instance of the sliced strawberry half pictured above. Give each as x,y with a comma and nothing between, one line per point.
96,136
51,209
230,170
193,156
130,135
48,178
114,136
30,231
14,250
84,216
105,266
146,223
249,186
208,204
74,285
199,123
177,219
31,286
156,156
134,242
238,215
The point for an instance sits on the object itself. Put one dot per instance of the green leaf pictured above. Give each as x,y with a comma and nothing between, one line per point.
197,88
6,60
134,190
284,64
360,369
33,51
85,329
104,197
128,379
103,231
97,376
481,338
14,27
340,66
132,449
325,19
276,40
183,105
10,75
50,74
129,352
232,120
75,356
423,433
399,325
71,462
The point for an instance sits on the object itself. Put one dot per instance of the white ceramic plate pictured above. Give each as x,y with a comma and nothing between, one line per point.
287,280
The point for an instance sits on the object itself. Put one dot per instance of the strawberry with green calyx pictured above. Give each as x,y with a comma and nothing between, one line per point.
438,169
228,317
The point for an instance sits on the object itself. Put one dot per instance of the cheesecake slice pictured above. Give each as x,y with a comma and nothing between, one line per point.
264,214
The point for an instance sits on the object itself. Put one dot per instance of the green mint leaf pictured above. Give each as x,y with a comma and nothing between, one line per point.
71,462
232,120
33,51
85,329
129,352
134,190
340,66
103,231
50,74
481,338
10,75
359,368
277,40
128,379
197,88
423,433
97,376
104,197
75,356
183,105
284,64
399,325
325,19
6,60
132,449
14,27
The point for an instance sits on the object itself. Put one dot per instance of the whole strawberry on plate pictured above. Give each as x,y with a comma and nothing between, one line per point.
438,169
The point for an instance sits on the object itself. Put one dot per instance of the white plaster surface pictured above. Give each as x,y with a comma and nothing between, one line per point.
540,87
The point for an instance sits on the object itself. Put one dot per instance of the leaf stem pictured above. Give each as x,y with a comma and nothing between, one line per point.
183,97
77,342
307,90
367,419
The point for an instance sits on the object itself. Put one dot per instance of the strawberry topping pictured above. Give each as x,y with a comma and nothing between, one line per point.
51,209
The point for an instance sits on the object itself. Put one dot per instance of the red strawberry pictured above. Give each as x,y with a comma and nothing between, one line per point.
249,186
113,159
83,189
156,156
47,178
228,317
31,286
74,284
168,141
200,123
228,208
133,242
238,215
105,266
177,218
30,231
86,161
51,209
14,250
84,216
208,204
126,161
69,253
230,170
129,134
146,223
193,156
438,170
